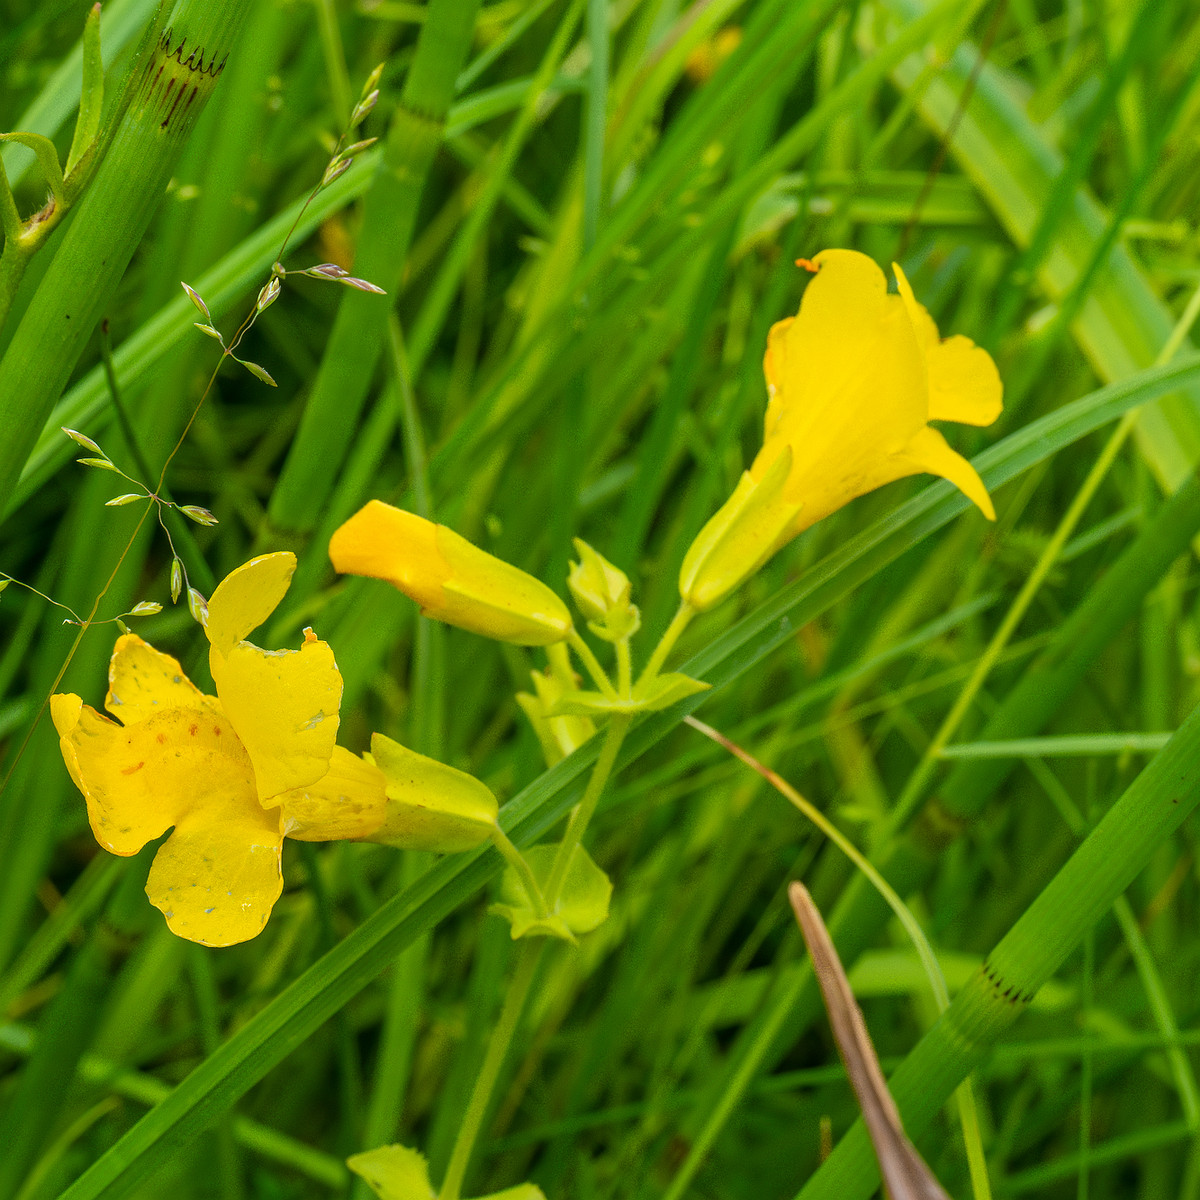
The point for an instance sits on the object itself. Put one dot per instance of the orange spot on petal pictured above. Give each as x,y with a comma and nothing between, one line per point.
808,265
162,739
132,770
193,730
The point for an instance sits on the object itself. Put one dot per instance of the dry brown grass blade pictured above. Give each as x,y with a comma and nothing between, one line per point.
904,1172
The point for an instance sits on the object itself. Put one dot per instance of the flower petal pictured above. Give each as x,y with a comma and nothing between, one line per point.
348,801
929,452
246,597
847,377
964,384
284,706
217,876
140,780
142,680
385,542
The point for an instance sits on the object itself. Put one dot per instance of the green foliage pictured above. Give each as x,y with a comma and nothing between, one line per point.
585,217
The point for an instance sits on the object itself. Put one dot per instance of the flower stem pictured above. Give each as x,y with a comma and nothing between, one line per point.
618,727
624,670
527,964
679,622
489,1072
520,864
591,663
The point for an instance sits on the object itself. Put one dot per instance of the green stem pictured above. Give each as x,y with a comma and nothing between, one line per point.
624,670
489,1072
679,622
520,864
591,663
522,980
582,814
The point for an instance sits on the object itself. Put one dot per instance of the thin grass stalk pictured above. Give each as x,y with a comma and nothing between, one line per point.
359,331
1086,887
179,76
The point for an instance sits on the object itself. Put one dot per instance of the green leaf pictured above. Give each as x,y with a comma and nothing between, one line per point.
660,693
582,905
665,690
394,1173
523,1191
91,97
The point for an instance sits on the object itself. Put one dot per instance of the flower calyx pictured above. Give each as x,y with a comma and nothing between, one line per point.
582,904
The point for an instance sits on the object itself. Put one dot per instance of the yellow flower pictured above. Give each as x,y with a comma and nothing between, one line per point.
853,381
449,578
233,774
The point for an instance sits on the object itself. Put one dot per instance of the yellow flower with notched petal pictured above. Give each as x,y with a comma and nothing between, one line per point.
449,578
233,774
853,381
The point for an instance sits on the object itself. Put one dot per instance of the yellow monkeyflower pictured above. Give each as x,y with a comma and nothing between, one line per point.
233,773
452,580
853,381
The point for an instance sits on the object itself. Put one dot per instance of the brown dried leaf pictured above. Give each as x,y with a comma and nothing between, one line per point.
904,1171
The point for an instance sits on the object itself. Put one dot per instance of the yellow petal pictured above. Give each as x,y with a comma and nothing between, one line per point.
964,384
348,801
246,597
217,876
140,780
929,452
142,680
284,706
847,377
431,806
385,542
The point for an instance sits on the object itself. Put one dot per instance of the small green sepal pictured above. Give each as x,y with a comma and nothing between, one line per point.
749,527
398,1173
394,1173
582,905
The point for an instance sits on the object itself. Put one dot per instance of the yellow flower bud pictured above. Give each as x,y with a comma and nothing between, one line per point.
449,578
601,593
